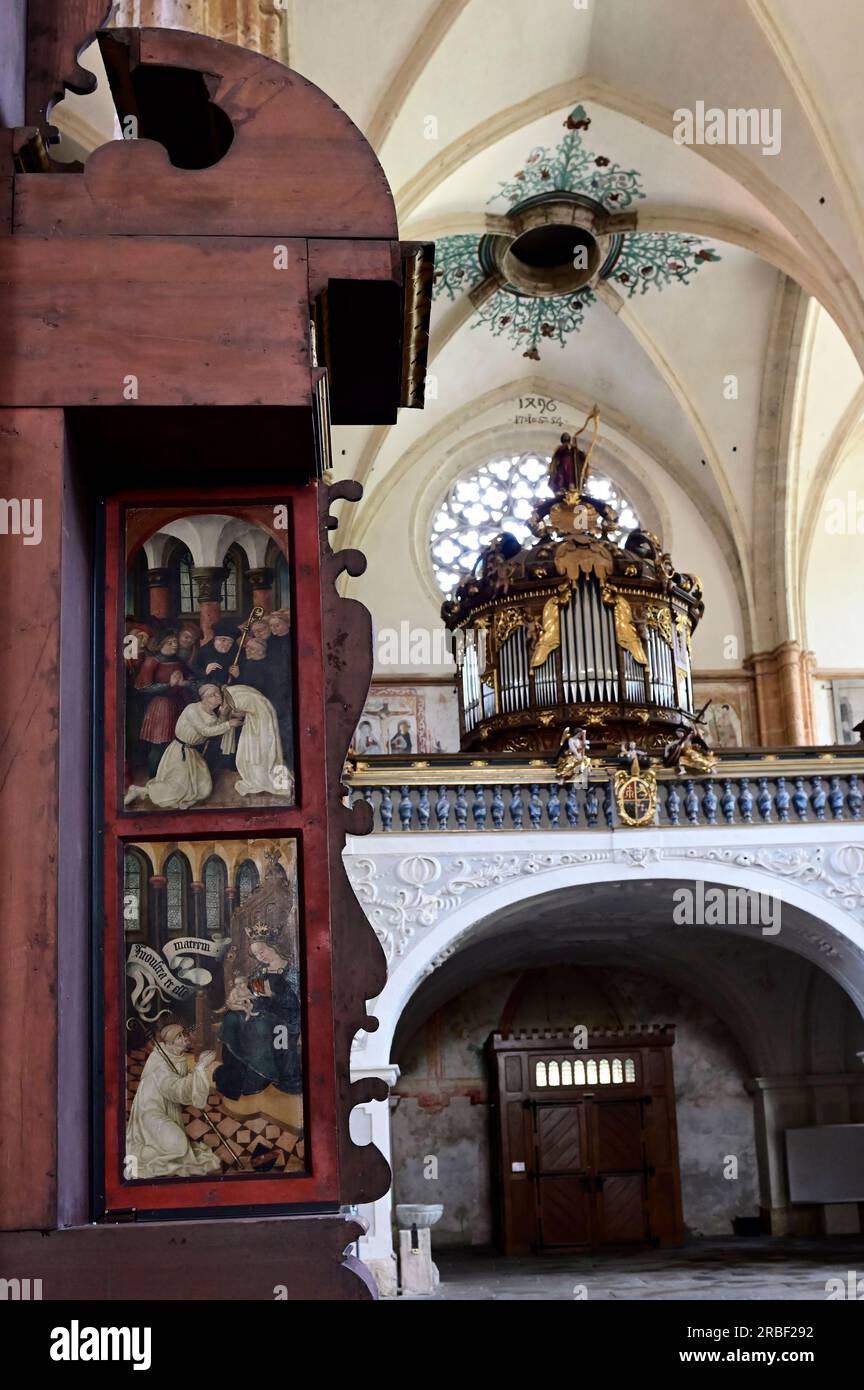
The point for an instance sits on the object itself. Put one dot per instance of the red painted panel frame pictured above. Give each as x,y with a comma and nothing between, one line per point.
307,821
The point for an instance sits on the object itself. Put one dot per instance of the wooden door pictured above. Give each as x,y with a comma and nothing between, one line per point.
591,1173
564,1195
586,1152
620,1169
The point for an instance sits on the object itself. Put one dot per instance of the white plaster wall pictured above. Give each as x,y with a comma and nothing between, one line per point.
834,612
832,379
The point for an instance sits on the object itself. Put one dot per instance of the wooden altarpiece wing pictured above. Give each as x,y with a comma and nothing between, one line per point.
180,370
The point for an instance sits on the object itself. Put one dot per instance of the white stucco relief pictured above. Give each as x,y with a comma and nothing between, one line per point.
423,899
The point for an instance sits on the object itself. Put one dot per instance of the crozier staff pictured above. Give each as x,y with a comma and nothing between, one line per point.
254,617
569,466
155,1136
180,1040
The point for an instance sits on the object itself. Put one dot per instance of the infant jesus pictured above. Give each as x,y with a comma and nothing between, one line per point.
241,998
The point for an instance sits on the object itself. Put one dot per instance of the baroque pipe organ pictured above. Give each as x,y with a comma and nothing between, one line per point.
574,628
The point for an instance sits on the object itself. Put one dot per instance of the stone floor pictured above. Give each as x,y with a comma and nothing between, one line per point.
791,1270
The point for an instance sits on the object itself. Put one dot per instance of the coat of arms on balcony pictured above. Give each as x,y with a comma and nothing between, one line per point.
635,789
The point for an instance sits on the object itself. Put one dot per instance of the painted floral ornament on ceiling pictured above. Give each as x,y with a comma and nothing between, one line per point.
569,227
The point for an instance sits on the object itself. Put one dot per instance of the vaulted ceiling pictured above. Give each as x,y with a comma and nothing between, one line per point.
457,97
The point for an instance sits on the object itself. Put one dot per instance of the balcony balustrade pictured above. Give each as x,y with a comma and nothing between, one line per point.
460,792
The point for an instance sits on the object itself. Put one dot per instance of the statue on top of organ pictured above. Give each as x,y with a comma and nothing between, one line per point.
583,626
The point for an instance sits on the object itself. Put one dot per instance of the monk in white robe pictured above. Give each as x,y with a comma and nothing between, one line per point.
183,777
259,747
156,1142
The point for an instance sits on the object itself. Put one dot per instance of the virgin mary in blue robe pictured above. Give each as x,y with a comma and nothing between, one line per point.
262,1049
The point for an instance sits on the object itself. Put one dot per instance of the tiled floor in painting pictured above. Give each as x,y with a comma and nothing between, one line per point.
790,1270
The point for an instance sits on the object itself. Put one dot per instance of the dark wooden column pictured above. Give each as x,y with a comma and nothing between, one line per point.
31,448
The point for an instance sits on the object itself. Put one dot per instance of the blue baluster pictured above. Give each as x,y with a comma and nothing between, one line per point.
853,797
691,802
763,801
461,809
709,803
442,808
553,805
592,806
405,807
423,808
608,803
367,797
799,799
818,799
571,805
745,801
478,808
497,807
535,808
516,807
673,804
781,799
386,809
727,802
835,799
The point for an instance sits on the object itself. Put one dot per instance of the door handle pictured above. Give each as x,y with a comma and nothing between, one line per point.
598,1184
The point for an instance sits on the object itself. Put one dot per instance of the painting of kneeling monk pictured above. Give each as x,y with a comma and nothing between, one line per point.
209,688
214,1019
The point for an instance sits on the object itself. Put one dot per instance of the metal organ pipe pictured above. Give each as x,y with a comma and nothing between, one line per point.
513,672
588,661
470,686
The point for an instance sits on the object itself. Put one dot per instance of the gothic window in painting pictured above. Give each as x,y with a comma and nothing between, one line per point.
209,710
214,1075
215,894
247,879
177,893
135,892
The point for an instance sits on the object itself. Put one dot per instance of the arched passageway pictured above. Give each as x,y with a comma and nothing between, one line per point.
767,1036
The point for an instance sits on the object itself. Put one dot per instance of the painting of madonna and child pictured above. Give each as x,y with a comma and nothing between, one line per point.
214,1060
207,651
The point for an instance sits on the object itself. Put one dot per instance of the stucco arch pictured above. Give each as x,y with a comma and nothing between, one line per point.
824,933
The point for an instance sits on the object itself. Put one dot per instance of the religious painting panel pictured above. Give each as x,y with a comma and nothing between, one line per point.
217,1064
393,721
730,719
208,654
214,1033
848,701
